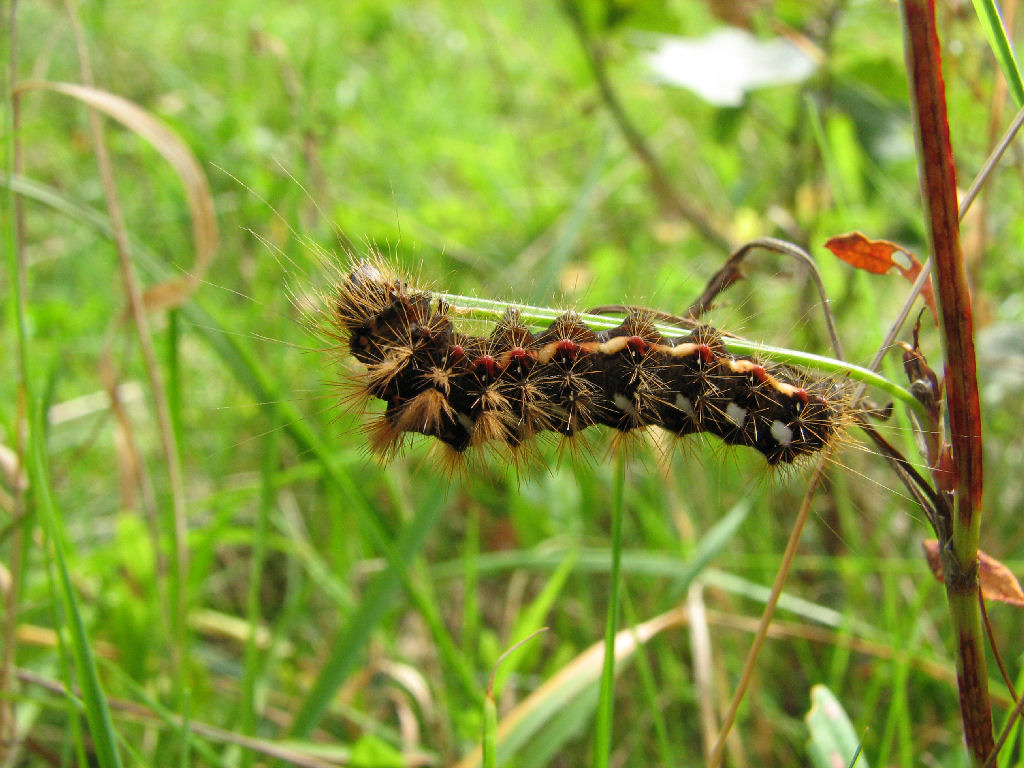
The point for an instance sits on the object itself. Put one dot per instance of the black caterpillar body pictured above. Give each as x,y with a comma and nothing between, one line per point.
509,386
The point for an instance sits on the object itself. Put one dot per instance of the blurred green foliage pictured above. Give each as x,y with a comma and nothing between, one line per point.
470,141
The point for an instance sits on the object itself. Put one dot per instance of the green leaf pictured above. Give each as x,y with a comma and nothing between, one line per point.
833,740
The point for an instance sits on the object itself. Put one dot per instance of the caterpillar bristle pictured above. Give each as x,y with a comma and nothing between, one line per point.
505,390
381,375
581,449
426,413
524,456
386,440
493,423
452,463
629,444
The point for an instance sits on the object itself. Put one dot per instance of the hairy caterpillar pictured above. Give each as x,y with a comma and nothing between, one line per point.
514,384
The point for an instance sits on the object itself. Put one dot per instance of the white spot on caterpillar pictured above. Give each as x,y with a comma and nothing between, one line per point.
365,272
736,414
685,405
466,422
783,435
625,405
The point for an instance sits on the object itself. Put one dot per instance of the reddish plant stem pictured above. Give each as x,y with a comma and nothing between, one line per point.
963,475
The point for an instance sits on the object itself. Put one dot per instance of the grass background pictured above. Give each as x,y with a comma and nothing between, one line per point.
342,612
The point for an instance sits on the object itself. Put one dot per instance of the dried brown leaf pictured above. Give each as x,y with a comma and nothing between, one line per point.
879,257
197,191
997,581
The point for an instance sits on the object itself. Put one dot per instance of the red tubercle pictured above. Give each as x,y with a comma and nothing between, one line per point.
801,395
567,347
759,373
488,364
636,345
706,355
519,356
456,352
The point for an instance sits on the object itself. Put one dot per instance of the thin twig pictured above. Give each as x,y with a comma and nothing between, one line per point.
717,752
990,163
965,204
901,319
927,497
730,273
654,314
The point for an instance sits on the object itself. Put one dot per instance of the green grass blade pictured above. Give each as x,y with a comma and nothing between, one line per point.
563,725
606,698
531,620
488,309
992,23
490,733
97,712
652,691
93,700
246,721
376,601
418,588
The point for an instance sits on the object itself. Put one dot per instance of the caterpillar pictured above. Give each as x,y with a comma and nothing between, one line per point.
514,384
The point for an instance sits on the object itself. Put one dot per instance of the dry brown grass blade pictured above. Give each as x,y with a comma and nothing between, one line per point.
731,272
940,671
132,468
703,666
718,752
197,190
12,469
